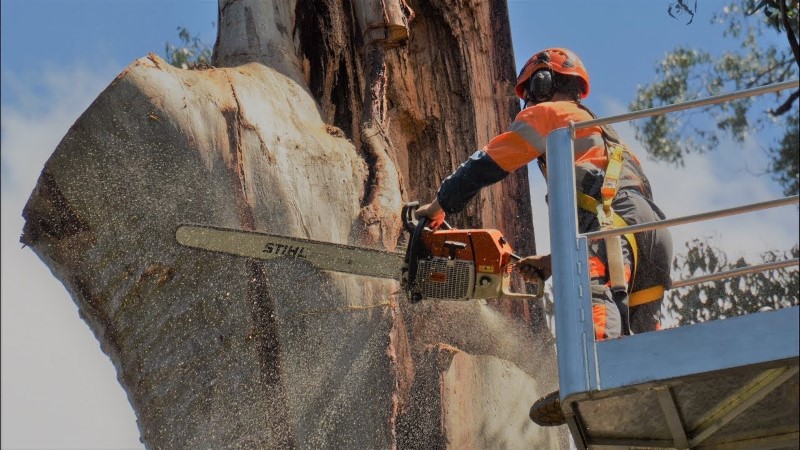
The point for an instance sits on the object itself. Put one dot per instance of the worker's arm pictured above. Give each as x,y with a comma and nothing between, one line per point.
477,172
502,155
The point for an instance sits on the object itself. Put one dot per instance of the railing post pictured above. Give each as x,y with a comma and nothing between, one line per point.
700,352
577,366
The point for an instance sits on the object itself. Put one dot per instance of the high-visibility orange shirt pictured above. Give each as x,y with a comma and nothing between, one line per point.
525,139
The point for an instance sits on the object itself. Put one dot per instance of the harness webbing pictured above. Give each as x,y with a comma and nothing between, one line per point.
646,295
609,219
605,214
588,203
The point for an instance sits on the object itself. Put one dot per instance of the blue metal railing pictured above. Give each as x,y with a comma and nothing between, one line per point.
586,365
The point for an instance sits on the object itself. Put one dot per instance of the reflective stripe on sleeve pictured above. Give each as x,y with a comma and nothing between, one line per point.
529,134
511,151
538,141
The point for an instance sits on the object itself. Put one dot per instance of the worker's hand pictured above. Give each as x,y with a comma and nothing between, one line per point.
433,212
533,267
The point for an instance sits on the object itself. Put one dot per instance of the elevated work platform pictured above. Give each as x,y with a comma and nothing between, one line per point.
718,385
724,384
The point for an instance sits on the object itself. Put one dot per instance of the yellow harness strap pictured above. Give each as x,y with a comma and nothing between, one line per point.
605,214
588,203
647,295
611,181
610,219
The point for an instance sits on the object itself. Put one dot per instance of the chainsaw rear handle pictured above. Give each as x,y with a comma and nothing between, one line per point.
410,221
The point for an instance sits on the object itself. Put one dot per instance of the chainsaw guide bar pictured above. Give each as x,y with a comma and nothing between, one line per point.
443,264
323,255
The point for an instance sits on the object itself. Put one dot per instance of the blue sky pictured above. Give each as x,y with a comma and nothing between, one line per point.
60,391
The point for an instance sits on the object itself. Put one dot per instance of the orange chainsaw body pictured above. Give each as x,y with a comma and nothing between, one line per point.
487,249
455,264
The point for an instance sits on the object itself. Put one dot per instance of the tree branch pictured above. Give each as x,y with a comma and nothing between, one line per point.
789,33
680,6
786,105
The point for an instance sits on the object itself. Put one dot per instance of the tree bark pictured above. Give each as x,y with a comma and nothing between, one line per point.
319,119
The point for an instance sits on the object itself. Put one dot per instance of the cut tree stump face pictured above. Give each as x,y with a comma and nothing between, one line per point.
318,122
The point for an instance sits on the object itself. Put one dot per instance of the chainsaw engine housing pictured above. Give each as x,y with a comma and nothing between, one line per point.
459,265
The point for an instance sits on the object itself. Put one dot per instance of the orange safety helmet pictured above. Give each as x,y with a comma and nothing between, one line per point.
559,60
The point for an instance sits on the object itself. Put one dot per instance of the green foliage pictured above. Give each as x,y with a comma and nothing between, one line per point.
731,297
785,158
191,53
689,73
775,10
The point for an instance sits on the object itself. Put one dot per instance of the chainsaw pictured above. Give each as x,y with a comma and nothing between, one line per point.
442,264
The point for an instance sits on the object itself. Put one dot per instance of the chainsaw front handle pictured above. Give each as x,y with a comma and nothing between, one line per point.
410,221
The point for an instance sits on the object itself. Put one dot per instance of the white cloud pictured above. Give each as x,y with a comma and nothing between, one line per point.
730,176
58,389
44,108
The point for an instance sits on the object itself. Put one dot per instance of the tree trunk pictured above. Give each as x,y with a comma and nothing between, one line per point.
319,119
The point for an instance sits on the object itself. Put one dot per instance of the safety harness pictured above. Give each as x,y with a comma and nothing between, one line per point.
608,220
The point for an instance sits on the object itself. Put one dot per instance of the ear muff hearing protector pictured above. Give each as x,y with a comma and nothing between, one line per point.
541,86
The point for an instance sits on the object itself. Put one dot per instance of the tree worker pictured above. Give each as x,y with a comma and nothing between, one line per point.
626,295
